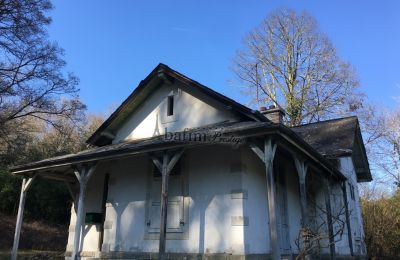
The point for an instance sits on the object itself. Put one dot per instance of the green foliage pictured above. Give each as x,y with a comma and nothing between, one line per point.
50,201
9,191
382,226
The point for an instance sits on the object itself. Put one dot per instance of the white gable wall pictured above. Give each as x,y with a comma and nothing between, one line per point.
189,112
356,223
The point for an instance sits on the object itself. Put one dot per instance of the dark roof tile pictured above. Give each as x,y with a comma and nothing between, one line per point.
330,138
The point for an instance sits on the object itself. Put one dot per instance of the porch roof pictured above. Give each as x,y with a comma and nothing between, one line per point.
248,129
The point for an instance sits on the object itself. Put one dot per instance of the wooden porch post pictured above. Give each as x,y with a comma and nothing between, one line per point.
83,177
346,208
302,173
24,188
165,168
267,156
302,168
329,218
164,205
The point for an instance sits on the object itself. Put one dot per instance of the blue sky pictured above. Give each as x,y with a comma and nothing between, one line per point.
112,45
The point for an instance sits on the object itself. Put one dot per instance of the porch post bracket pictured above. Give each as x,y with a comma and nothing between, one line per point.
302,168
73,192
329,218
267,157
83,175
157,163
26,184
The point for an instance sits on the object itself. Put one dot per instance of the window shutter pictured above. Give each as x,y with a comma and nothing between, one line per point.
175,212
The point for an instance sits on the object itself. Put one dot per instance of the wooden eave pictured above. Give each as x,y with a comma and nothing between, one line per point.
282,134
360,159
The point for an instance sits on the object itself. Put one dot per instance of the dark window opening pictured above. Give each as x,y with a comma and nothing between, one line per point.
170,106
352,194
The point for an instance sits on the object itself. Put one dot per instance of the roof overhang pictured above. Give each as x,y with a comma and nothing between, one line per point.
244,130
360,159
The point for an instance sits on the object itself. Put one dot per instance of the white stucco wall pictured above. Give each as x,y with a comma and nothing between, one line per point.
225,186
294,208
356,223
189,112
226,194
213,175
93,201
338,211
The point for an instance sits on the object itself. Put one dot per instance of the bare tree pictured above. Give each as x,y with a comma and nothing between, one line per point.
385,151
310,240
288,62
381,136
32,79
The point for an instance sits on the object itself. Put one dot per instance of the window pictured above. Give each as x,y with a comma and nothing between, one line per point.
177,210
352,195
170,106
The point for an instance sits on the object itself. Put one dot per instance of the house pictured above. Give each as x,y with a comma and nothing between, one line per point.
181,171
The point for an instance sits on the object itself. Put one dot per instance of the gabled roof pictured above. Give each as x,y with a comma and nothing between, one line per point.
336,138
162,74
318,141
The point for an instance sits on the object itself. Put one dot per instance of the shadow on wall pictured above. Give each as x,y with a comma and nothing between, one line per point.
212,207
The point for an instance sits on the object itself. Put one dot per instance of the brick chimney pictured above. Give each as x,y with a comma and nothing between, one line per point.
273,113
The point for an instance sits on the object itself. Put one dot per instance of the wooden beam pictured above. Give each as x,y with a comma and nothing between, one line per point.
301,168
157,163
165,169
103,209
174,160
24,188
327,193
288,144
71,190
83,175
269,154
257,151
58,177
346,208
164,206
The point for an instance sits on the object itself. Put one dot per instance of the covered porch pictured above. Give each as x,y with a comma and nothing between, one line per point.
278,151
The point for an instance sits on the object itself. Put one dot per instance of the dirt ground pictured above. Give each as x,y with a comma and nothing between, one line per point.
35,235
